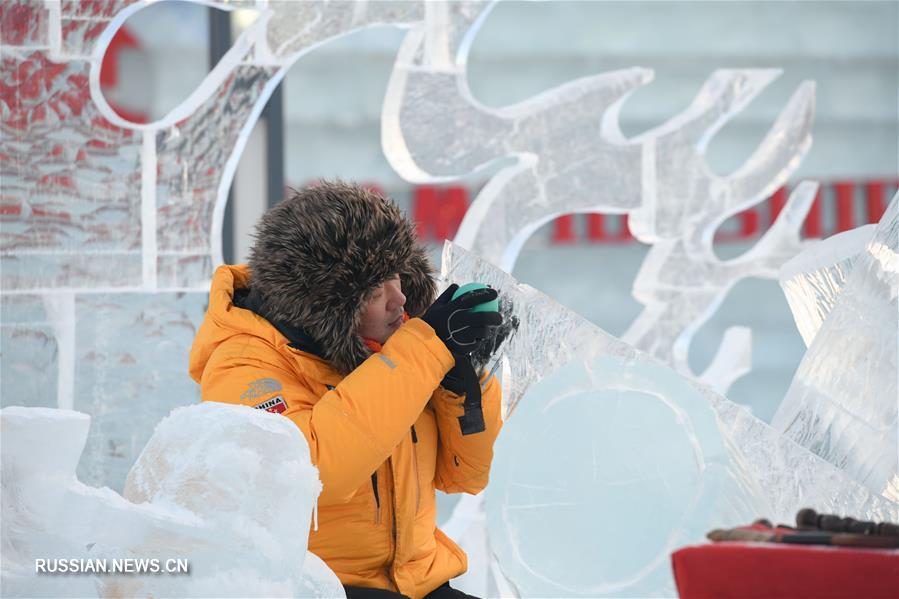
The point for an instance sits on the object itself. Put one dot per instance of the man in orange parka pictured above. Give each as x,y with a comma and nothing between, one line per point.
333,326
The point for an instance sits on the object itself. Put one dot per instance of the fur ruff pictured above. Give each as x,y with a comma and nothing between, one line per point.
320,253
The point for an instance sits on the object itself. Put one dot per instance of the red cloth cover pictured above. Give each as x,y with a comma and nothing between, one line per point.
768,570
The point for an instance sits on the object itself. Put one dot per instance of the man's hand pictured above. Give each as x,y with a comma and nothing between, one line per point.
486,349
460,329
454,380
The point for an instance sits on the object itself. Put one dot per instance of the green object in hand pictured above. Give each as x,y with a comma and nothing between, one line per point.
491,306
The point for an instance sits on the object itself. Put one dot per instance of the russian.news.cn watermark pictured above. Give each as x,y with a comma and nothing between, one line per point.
125,565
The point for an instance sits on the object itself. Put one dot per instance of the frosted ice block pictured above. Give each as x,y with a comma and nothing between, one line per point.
842,403
570,379
130,356
812,280
206,487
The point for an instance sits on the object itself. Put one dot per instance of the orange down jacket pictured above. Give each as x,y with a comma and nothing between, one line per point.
383,438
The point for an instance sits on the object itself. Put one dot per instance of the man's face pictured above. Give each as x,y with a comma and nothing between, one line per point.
382,315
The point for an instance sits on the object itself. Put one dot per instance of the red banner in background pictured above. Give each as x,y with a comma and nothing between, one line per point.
438,211
839,206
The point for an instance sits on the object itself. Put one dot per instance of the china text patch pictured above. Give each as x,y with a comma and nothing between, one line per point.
275,405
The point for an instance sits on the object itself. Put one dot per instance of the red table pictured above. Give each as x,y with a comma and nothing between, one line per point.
769,570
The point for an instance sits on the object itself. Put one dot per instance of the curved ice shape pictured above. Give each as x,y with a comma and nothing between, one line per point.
208,484
680,291
551,336
103,216
98,202
555,138
568,155
813,279
606,467
552,339
682,198
842,403
295,27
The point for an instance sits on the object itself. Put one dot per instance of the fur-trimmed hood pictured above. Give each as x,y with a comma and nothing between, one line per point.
320,253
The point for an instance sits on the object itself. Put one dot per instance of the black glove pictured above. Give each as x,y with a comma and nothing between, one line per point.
459,328
455,379
463,377
485,350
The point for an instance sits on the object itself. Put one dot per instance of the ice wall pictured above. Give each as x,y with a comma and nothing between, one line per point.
111,228
599,415
205,489
842,404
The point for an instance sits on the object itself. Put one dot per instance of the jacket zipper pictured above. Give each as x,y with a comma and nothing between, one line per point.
374,487
392,524
415,469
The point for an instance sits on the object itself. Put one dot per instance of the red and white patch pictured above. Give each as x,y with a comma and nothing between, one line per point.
274,405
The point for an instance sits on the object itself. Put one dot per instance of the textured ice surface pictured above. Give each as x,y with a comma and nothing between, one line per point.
297,26
842,403
637,468
681,291
29,373
566,154
792,476
40,449
812,280
551,340
571,154
205,489
119,357
131,356
110,228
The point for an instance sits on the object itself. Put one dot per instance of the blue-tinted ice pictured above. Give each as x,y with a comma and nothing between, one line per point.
601,438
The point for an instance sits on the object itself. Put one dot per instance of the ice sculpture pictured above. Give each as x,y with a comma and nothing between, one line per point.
842,403
569,155
812,280
681,292
111,228
645,472
551,337
209,485
754,462
103,202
